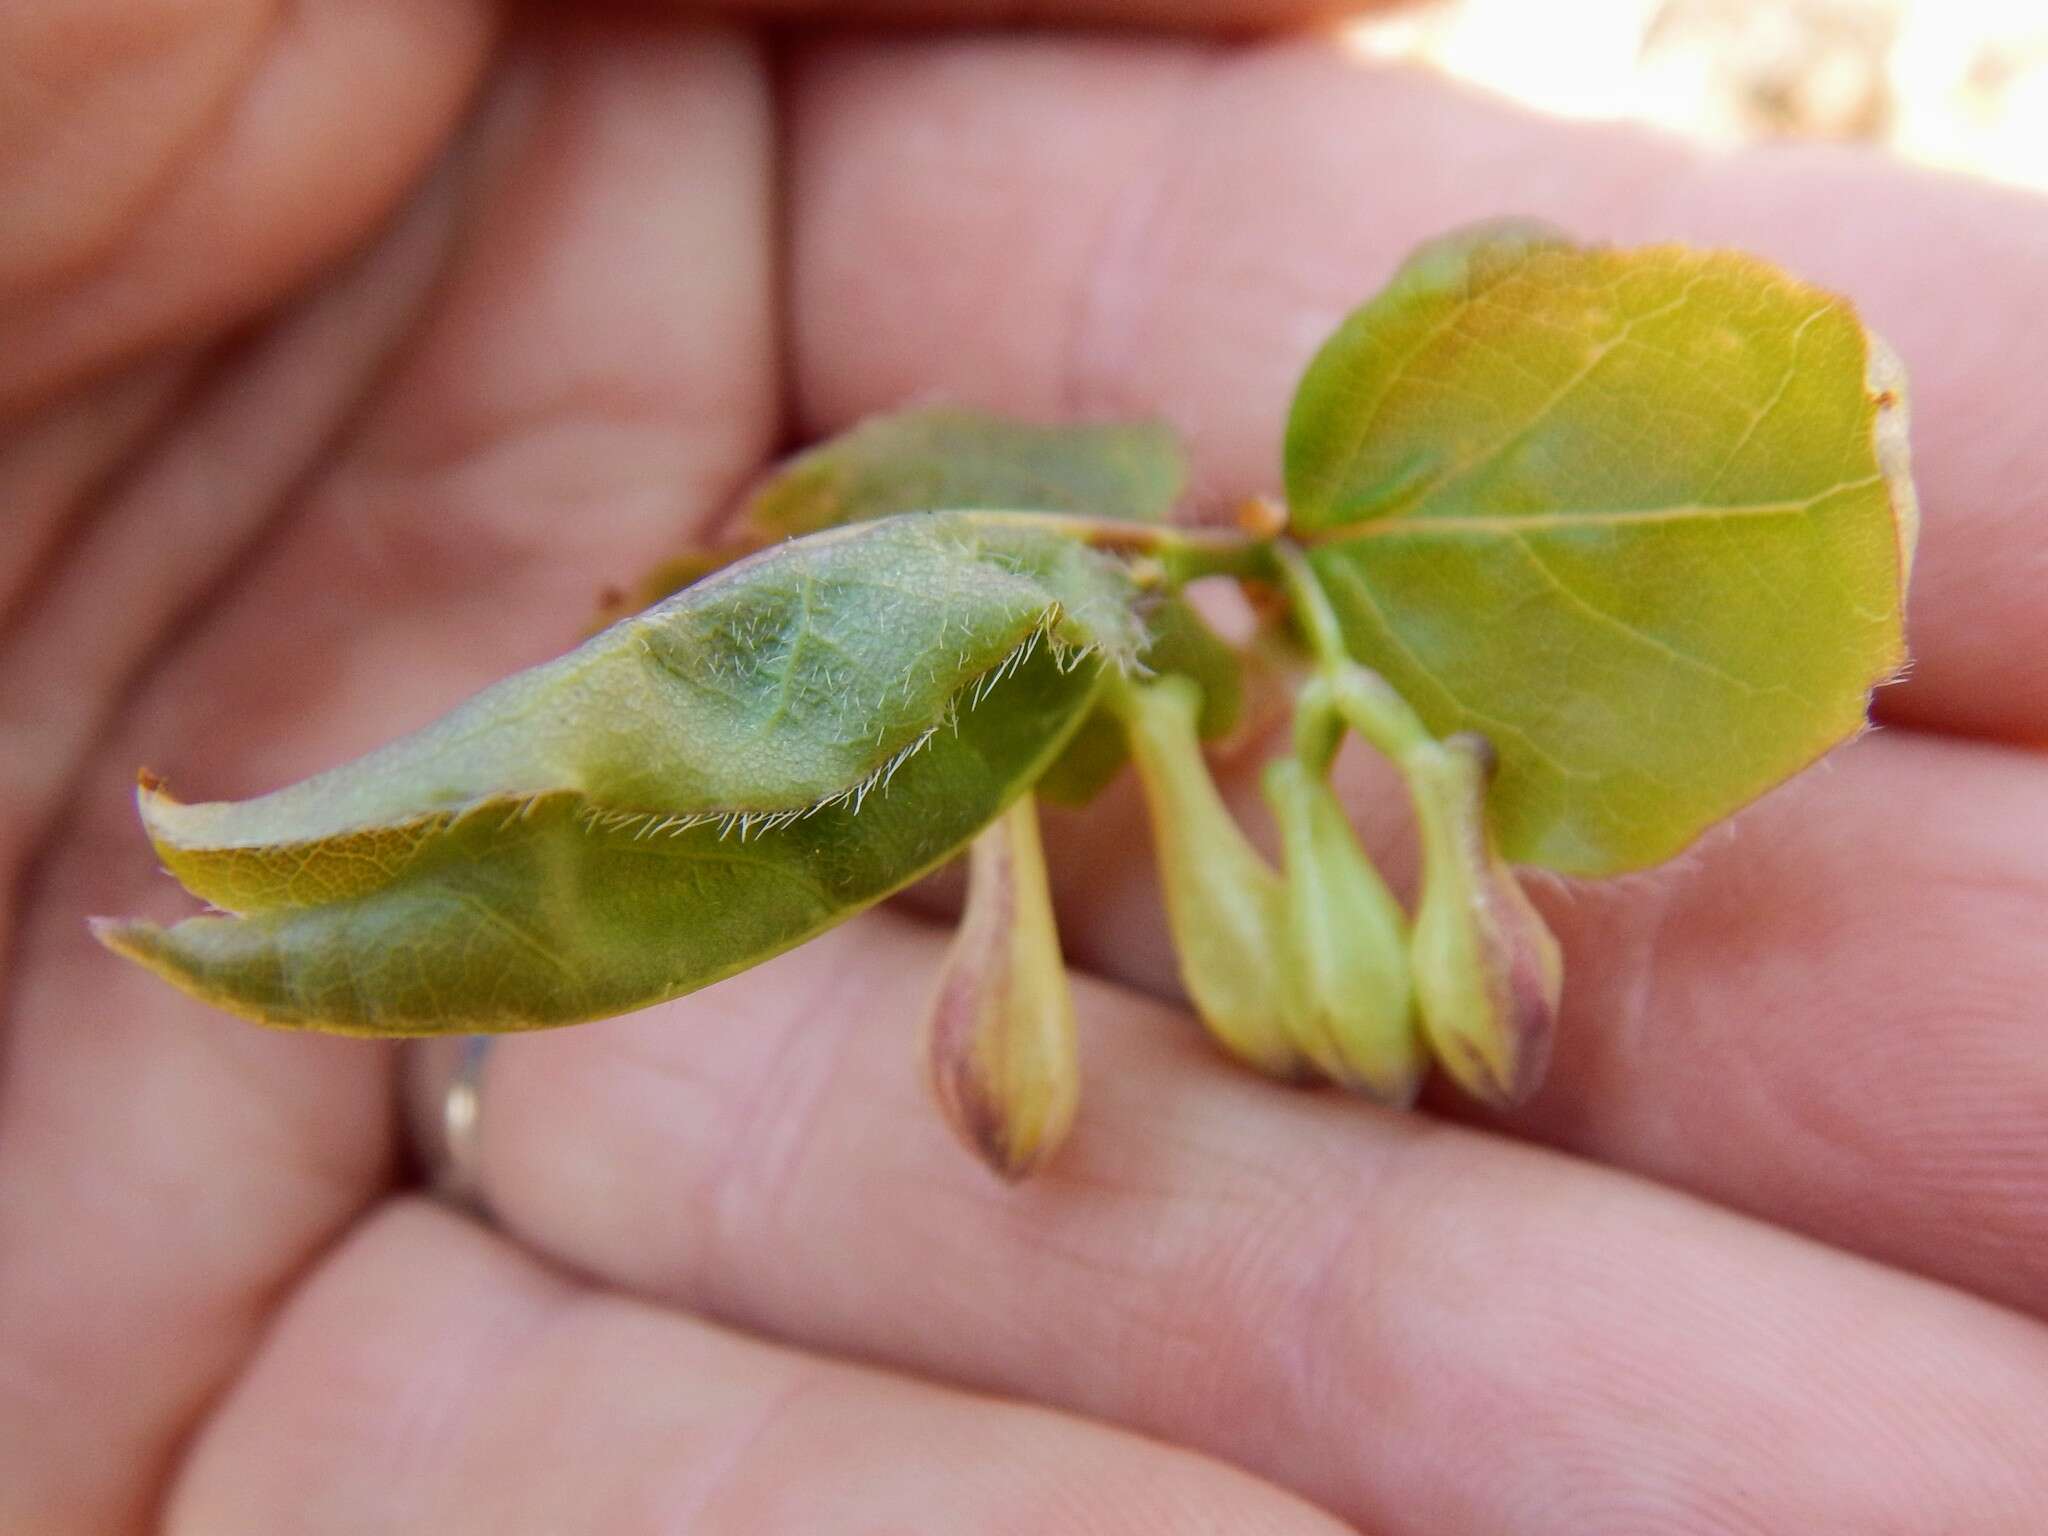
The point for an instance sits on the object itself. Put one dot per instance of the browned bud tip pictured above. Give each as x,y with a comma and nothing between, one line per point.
999,1040
1488,972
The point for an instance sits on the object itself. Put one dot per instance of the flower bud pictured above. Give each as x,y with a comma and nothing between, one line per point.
1224,904
999,1038
1487,969
1348,1001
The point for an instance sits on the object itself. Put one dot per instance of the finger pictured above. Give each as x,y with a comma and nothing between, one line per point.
1832,1016
432,1378
162,1169
182,167
49,460
595,379
1180,15
585,379
153,518
1828,1014
1420,1327
1201,217
160,1175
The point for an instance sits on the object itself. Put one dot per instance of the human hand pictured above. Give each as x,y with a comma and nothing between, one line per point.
258,531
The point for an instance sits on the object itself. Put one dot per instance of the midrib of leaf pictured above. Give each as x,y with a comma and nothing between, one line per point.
1515,525
1518,531
806,582
637,824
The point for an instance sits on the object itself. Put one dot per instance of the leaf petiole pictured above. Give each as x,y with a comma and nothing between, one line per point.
1182,555
1359,696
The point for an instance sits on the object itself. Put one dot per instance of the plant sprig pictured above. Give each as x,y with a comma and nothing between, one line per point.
1593,546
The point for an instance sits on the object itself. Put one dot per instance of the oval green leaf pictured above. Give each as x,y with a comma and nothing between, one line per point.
688,793
1641,517
944,458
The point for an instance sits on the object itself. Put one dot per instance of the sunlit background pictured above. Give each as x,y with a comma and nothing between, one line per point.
1961,84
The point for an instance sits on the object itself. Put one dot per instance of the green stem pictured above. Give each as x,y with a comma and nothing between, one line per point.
1184,554
1312,608
1366,701
1318,725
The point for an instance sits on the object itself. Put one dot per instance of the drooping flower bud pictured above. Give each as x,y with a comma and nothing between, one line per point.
1487,970
1349,1004
1224,903
999,1039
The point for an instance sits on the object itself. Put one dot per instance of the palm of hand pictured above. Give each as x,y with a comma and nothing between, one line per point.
246,557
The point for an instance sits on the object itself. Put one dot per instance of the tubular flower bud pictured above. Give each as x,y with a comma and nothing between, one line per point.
1487,969
1348,1000
999,1039
1224,904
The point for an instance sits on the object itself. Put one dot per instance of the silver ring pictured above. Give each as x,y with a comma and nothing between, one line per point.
442,1092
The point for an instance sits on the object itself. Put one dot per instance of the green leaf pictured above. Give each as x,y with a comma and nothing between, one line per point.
691,791
1179,642
1642,518
942,458
1092,758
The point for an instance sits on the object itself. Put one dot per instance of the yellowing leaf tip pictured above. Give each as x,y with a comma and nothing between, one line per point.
116,934
147,944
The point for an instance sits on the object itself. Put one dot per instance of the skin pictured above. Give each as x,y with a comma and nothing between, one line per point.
352,348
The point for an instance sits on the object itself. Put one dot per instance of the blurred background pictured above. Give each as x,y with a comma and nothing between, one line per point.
1961,84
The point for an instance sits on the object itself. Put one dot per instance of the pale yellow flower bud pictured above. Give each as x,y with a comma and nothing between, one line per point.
1349,1005
1224,903
999,1039
1487,970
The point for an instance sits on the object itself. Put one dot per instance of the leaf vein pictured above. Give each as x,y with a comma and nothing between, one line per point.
1517,525
1360,584
1633,632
